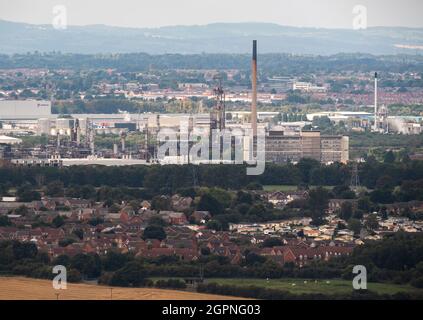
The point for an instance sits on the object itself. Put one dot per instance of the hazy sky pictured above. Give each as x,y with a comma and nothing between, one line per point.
153,13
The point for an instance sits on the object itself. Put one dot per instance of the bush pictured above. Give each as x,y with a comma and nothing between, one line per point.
171,283
417,283
74,276
133,274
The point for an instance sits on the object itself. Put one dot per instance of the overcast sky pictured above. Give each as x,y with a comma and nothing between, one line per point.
154,13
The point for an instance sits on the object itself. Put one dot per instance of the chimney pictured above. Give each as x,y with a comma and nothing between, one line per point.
376,125
254,90
58,139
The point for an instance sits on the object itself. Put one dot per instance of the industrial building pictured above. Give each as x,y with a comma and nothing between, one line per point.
281,148
24,109
6,146
307,87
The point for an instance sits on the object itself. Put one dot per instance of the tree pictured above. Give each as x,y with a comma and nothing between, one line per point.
306,166
157,221
244,197
364,204
87,264
74,276
382,196
87,192
58,221
272,242
161,203
354,225
114,261
135,205
24,250
79,233
254,186
257,210
65,242
385,182
389,157
63,260
322,122
54,189
95,221
346,210
317,203
371,222
214,225
5,221
22,210
252,258
132,274
154,232
114,208
209,203
223,196
343,192
417,283
26,194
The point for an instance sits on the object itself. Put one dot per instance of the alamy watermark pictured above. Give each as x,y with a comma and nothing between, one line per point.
60,17
60,281
201,145
360,17
360,280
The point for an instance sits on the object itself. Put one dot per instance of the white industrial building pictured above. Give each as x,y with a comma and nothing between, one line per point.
9,140
307,87
24,109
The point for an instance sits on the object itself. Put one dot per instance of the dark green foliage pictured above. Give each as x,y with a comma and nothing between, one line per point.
171,283
274,294
113,261
133,274
272,242
58,221
26,194
88,265
346,211
209,203
401,252
154,232
5,221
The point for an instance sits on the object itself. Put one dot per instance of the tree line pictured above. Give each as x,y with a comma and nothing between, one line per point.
169,178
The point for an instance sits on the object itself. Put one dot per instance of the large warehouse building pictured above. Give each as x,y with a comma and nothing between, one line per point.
24,109
281,148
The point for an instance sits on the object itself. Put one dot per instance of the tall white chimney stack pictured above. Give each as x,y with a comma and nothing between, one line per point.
376,124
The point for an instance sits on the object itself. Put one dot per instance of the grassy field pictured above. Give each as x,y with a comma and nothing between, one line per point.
300,286
287,188
19,288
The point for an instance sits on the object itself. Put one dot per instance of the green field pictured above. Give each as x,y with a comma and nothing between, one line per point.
299,286
286,188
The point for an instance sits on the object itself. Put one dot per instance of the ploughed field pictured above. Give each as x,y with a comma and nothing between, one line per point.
20,288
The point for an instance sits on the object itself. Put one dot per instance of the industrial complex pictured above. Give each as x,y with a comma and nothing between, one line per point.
71,138
74,135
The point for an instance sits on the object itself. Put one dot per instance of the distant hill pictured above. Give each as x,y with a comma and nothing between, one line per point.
211,38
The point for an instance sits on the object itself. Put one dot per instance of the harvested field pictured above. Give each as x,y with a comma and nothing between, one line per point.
19,288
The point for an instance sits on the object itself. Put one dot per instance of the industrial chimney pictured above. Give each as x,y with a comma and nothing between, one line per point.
254,90
376,125
122,140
